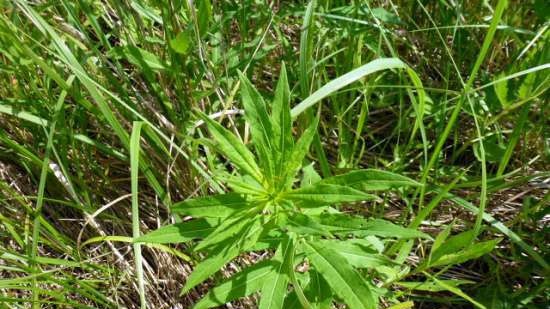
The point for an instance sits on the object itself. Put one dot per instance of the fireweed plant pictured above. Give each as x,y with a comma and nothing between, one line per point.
277,203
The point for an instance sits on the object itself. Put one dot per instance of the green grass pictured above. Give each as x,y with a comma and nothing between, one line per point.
103,141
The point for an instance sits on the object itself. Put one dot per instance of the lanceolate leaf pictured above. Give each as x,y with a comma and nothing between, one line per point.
304,225
203,17
455,290
292,166
215,206
261,127
431,286
223,254
441,237
371,180
233,148
383,228
178,233
270,239
357,253
325,194
473,252
340,223
245,184
450,245
318,291
282,122
230,227
210,266
274,290
240,285
138,57
346,282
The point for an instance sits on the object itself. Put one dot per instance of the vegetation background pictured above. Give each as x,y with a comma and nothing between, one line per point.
76,76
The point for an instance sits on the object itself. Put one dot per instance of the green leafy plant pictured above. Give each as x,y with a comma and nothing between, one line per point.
461,107
323,253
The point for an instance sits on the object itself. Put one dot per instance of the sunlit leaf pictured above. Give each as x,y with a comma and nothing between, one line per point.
233,148
214,206
371,180
222,254
300,150
139,57
346,282
339,223
178,233
242,284
181,43
304,225
358,252
325,194
261,127
431,286
473,252
282,123
204,15
274,290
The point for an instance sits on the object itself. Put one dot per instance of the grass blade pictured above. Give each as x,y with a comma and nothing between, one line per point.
346,79
134,170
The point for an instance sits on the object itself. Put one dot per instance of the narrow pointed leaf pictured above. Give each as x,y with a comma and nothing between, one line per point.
232,147
228,229
203,17
451,244
281,119
441,237
431,286
242,284
304,225
178,233
261,127
274,290
300,150
473,252
325,194
318,291
357,253
245,184
371,180
361,227
282,123
455,290
215,206
138,57
210,266
346,282
222,255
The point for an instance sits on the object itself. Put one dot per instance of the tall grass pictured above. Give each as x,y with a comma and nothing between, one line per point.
101,139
